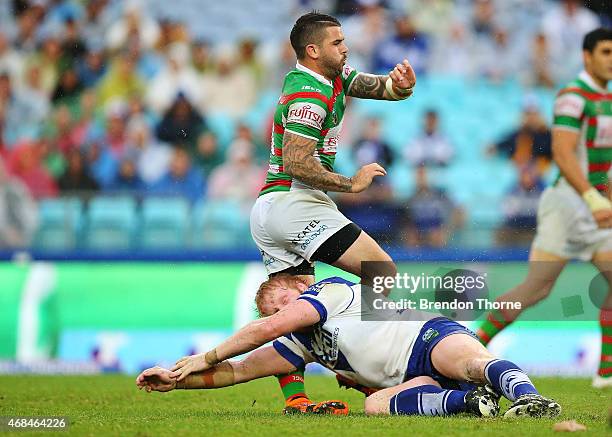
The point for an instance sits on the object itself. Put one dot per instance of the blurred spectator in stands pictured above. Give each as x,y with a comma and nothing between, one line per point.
49,60
68,88
201,58
148,63
76,176
530,142
483,19
96,21
28,22
284,64
93,67
431,216
84,120
11,60
497,59
18,212
134,22
207,155
249,59
520,206
540,69
73,44
229,90
564,26
176,77
239,178
407,43
364,31
27,164
102,164
152,158
452,55
261,150
370,147
53,160
182,123
114,138
181,179
127,178
433,17
171,32
22,111
121,81
431,148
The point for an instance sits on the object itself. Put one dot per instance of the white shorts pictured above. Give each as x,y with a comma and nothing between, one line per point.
566,227
289,226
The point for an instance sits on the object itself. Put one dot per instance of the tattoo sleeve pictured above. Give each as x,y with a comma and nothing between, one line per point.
299,163
369,86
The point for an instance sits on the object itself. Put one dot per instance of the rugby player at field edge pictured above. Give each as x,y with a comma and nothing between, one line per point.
575,213
428,366
293,222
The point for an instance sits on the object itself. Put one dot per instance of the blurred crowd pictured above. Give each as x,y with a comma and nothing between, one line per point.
102,96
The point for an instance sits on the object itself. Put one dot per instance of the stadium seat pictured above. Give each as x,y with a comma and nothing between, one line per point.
60,223
221,224
165,222
111,223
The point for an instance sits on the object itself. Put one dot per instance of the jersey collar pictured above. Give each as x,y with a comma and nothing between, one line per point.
314,74
586,78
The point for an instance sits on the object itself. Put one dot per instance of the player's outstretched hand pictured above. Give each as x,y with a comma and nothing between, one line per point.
403,76
188,365
363,177
603,217
156,379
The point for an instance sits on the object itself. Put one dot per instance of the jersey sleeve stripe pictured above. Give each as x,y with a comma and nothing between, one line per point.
599,166
305,95
317,306
282,182
585,94
278,129
302,135
288,354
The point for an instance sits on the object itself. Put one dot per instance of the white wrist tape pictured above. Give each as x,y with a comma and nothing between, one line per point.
393,94
595,201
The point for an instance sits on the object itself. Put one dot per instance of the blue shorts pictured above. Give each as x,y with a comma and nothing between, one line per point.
430,335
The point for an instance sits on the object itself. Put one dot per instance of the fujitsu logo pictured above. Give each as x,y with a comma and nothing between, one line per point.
305,113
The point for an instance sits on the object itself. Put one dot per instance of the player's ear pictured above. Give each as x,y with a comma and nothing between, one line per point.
301,286
312,51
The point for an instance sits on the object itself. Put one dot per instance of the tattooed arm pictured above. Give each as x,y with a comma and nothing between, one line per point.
372,86
299,163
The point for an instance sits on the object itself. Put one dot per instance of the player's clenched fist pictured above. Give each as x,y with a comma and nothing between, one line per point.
363,177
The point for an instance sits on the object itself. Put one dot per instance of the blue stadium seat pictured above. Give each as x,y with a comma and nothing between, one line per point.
60,223
221,224
111,223
165,222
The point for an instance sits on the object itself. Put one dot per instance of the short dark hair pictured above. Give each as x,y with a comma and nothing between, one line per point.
593,37
307,30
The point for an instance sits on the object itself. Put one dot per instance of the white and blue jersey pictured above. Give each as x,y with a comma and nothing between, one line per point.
372,353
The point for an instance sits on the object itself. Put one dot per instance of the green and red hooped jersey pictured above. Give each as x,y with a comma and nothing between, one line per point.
584,107
313,107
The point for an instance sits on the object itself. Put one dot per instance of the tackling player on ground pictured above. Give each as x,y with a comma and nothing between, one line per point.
575,214
294,222
424,367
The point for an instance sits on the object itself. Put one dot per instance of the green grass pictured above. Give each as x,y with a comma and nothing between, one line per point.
111,405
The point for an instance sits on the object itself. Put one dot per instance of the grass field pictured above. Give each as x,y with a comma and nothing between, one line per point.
111,405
